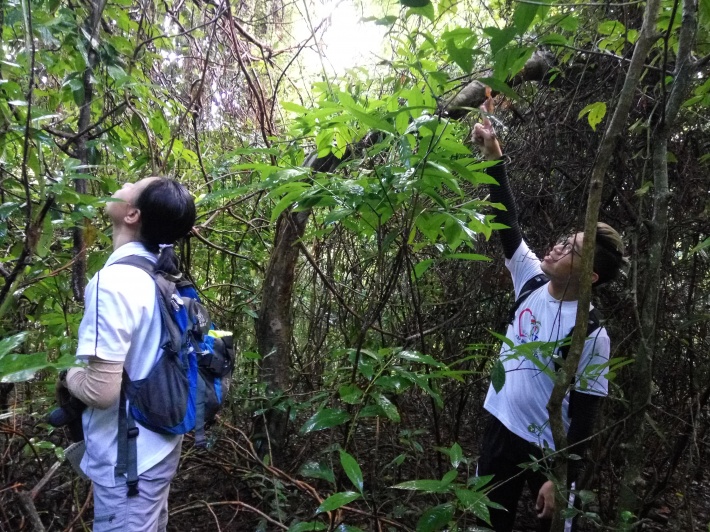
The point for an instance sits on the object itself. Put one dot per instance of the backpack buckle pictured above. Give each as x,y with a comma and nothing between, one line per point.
133,432
132,488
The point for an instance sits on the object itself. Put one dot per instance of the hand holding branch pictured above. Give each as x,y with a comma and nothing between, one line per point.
484,135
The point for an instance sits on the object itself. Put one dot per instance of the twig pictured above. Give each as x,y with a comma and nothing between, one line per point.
244,505
47,476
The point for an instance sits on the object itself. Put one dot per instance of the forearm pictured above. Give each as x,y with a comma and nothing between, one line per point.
97,385
503,194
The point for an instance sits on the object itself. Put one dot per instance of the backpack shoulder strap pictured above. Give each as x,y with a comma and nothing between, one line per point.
139,262
168,298
528,288
593,323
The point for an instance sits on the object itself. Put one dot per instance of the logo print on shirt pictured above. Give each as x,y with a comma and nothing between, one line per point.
528,326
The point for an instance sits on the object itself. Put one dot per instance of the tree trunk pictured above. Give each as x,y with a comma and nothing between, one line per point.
96,8
631,496
616,127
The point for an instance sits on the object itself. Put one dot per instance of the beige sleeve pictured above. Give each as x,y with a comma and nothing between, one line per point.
97,385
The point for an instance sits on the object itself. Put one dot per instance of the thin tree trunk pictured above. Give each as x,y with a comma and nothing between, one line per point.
96,8
640,393
616,127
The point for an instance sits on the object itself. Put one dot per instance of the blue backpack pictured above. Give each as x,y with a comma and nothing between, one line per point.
185,388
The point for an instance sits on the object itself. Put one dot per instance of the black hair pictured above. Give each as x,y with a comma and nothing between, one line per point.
608,254
167,214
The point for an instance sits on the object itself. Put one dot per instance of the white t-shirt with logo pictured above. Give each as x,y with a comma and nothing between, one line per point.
121,323
521,404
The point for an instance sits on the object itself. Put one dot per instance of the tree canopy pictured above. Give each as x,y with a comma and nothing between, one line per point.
344,234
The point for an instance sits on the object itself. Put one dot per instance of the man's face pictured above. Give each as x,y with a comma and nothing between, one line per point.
564,261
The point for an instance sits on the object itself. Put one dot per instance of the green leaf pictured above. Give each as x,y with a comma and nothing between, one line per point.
421,267
475,501
11,343
415,3
317,470
523,16
325,419
554,39
426,11
337,500
456,455
294,107
310,526
350,394
498,376
352,470
467,256
370,120
703,245
21,367
500,86
435,518
595,113
413,356
499,38
387,407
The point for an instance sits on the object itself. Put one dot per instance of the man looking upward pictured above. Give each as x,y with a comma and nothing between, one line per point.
519,424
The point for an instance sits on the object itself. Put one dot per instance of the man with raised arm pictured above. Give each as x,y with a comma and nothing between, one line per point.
519,425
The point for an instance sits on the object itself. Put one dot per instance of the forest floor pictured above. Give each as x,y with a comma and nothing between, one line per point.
226,488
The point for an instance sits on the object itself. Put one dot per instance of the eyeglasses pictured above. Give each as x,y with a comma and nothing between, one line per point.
567,243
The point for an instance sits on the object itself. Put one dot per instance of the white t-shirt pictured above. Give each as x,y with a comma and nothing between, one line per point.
121,323
521,403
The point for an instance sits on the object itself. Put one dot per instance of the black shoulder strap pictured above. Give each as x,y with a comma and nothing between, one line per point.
593,324
528,288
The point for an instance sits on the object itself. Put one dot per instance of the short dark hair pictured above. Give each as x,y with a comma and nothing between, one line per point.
167,214
608,254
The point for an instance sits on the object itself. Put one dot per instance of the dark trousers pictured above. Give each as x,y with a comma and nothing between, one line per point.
502,452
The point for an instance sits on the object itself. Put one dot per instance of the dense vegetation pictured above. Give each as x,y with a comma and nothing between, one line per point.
345,236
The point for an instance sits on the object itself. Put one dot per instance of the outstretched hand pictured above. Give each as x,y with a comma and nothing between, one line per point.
484,135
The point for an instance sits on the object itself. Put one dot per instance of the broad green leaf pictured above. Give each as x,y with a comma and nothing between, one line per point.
426,11
307,527
499,38
467,256
325,419
337,500
294,107
370,120
21,368
352,470
498,376
435,518
387,407
350,394
413,356
523,16
456,455
595,113
11,343
703,245
554,39
421,267
475,501
317,470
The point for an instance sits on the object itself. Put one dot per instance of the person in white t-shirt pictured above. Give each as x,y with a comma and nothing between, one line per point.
519,426
121,331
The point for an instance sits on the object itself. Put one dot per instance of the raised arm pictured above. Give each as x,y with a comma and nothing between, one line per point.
484,135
